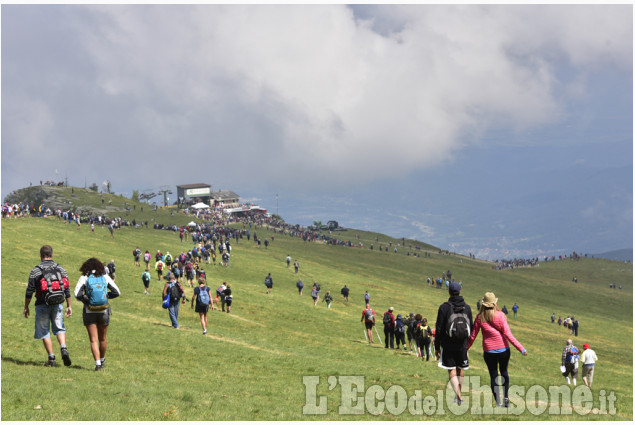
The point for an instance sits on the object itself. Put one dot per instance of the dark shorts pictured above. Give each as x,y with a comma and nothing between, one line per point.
570,369
101,318
454,359
200,308
146,284
369,325
269,285
228,302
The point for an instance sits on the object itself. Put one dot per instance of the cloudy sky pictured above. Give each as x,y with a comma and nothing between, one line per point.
503,130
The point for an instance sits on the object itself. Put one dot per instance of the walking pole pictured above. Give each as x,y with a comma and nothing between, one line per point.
365,334
377,332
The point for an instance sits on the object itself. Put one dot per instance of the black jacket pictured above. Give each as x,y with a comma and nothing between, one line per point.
445,310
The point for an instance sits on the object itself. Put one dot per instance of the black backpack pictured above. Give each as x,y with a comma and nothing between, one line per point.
458,326
175,292
52,284
387,320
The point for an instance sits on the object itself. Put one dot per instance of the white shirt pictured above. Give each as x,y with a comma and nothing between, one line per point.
588,357
79,288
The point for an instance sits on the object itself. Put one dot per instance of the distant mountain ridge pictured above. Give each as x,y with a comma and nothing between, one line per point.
617,255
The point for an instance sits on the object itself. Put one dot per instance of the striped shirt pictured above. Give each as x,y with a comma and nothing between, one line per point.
34,281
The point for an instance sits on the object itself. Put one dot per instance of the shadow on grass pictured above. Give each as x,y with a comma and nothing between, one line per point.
373,345
169,325
34,363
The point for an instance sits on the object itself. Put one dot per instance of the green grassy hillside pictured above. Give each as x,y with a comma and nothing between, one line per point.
252,363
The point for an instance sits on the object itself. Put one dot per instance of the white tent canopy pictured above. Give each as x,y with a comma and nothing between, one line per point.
200,205
191,223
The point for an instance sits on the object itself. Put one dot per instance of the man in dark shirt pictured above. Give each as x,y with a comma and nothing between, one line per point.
344,292
389,327
47,316
454,323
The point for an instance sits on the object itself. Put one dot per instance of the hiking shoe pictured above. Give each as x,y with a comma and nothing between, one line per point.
66,357
505,402
51,363
98,368
205,332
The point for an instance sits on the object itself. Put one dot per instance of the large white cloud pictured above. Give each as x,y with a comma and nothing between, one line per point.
310,93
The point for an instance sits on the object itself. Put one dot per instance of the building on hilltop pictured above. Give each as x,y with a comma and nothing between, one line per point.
245,211
201,192
224,198
193,193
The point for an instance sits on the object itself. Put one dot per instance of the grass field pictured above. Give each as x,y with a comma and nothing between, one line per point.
262,361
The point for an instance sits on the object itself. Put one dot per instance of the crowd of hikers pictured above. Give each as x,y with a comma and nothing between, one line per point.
454,332
532,262
446,339
569,322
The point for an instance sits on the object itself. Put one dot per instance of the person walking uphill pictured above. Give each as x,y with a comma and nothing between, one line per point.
454,320
203,299
389,327
176,293
269,283
588,359
400,332
345,291
569,362
496,339
368,317
49,282
328,299
94,288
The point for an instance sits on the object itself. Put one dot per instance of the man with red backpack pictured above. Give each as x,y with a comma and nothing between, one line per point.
49,281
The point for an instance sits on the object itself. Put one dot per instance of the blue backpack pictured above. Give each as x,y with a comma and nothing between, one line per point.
203,295
573,355
97,291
